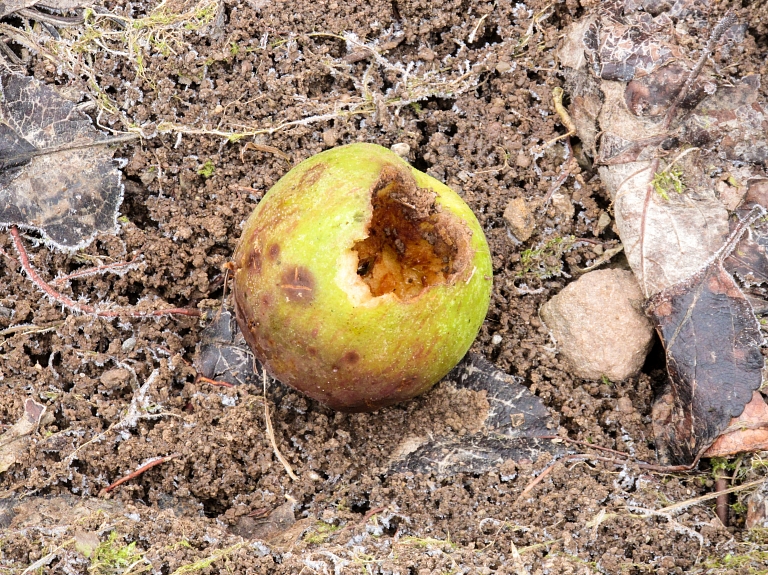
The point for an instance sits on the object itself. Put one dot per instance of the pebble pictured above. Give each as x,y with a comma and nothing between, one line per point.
599,325
401,149
519,218
330,137
115,378
496,339
128,345
522,160
563,204
603,221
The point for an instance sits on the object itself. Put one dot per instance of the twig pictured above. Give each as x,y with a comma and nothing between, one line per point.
91,271
547,470
264,148
641,247
586,444
216,382
139,471
708,496
626,457
53,19
27,156
721,501
270,431
71,304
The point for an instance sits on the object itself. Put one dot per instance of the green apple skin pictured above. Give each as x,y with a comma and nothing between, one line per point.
339,345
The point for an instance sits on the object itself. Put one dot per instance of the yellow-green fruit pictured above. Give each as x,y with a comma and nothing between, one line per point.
359,280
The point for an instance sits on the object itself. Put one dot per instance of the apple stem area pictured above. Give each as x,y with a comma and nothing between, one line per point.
411,245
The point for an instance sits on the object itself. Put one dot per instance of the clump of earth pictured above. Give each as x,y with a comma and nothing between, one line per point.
485,75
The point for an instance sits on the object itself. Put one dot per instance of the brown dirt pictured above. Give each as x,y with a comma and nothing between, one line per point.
183,227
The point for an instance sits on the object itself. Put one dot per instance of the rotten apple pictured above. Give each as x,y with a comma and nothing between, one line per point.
359,280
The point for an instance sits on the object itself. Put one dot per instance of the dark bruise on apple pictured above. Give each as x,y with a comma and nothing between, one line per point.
359,280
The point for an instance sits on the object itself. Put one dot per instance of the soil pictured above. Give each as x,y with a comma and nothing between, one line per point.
224,497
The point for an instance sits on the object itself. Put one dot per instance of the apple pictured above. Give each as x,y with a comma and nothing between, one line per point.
359,280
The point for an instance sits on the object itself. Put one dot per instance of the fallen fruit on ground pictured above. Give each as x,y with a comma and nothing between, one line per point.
359,280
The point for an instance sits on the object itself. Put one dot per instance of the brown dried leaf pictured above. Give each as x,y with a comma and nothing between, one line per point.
56,172
8,7
747,432
512,428
712,341
15,441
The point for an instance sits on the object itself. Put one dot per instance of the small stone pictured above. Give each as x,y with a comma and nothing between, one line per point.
503,67
730,196
519,218
624,405
401,149
330,137
427,55
599,325
563,204
603,221
115,378
128,345
522,160
496,339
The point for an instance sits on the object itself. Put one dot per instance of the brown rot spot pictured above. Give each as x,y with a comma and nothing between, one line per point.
311,176
273,252
298,284
254,261
350,357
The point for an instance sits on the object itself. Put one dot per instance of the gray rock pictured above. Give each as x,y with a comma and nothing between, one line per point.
599,325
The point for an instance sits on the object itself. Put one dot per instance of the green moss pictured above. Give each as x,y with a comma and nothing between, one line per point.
545,260
669,179
207,169
112,557
320,533
206,562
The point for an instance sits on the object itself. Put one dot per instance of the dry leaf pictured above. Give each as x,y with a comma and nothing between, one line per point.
8,7
712,340
747,432
512,427
662,155
15,441
56,172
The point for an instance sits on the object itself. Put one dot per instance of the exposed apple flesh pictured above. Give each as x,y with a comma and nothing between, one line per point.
359,280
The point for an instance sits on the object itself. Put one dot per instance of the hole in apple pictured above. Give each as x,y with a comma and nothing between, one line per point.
411,244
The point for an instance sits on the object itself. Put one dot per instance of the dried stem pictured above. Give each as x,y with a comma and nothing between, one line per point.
270,431
71,304
214,382
93,271
139,471
721,501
